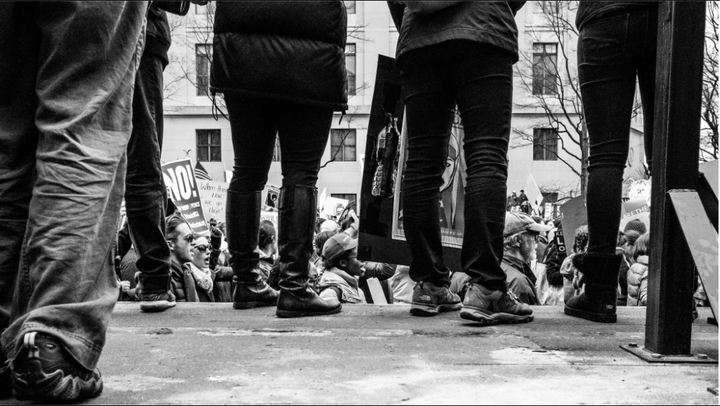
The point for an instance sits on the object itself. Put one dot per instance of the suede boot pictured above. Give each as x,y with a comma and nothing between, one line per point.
598,302
295,236
243,223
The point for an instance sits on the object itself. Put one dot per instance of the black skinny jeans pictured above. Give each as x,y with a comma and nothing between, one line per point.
478,78
612,51
303,133
145,193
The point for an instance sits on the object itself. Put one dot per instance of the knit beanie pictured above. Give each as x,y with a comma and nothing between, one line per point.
635,225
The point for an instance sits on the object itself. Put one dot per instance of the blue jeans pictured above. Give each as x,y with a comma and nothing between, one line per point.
612,51
478,78
65,119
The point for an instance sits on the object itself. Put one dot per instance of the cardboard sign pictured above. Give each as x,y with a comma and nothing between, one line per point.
214,197
182,188
574,215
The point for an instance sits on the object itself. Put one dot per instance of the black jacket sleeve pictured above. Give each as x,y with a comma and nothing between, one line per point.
396,11
379,270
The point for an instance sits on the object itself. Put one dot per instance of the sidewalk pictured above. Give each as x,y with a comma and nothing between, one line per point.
210,353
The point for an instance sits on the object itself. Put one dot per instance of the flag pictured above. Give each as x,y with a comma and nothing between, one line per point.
201,173
533,193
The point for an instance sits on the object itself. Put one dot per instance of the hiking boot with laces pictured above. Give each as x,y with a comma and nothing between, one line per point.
429,300
491,307
44,371
155,302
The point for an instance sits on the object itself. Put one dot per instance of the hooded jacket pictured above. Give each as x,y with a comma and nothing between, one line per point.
637,280
486,22
287,51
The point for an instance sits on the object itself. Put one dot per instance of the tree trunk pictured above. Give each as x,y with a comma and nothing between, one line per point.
584,149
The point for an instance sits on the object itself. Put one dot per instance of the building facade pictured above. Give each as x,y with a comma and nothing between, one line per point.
195,125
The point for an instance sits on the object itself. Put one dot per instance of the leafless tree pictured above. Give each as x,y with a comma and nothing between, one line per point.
559,101
709,130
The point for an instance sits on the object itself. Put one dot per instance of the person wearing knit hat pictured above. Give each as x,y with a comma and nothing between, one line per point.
636,225
342,270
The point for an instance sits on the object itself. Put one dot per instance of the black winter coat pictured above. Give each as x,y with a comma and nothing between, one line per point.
290,51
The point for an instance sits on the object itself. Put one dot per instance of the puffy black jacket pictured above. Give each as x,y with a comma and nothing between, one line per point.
291,51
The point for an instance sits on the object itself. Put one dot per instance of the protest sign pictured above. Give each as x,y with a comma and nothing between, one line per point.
637,209
271,197
182,188
333,207
271,216
214,197
574,215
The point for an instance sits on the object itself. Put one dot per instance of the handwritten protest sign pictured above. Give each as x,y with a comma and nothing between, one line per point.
637,209
182,188
214,197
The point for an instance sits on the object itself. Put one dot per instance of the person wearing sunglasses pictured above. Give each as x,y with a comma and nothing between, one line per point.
201,280
180,240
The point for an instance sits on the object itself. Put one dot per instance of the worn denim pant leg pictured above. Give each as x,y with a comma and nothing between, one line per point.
76,78
478,78
612,51
145,192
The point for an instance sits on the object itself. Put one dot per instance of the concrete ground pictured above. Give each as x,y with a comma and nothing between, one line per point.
210,353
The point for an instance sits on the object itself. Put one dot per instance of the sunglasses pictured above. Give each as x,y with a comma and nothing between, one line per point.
202,247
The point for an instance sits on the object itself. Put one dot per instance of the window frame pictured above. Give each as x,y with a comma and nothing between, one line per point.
545,147
206,151
202,86
544,69
343,147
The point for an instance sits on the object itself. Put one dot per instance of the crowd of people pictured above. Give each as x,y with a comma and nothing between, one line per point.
81,128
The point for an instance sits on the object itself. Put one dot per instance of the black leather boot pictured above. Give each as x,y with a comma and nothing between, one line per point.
243,223
295,236
598,302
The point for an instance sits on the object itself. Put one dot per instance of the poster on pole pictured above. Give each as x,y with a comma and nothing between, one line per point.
214,197
451,201
181,184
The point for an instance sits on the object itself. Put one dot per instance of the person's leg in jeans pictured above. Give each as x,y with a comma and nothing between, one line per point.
85,56
145,192
254,127
18,141
430,109
303,133
609,50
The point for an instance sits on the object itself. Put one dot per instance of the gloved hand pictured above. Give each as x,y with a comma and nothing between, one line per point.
216,237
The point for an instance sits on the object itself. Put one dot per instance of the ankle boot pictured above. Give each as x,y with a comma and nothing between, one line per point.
598,302
295,235
243,223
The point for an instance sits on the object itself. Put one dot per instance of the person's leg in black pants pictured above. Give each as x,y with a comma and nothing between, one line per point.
145,192
303,133
612,51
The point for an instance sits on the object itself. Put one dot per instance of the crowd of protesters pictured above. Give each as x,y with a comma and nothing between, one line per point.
81,129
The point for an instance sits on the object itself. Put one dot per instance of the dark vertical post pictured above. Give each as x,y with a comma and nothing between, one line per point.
675,166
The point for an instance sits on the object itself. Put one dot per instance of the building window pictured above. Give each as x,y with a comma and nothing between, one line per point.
350,63
544,68
343,145
276,150
545,144
203,58
350,6
208,145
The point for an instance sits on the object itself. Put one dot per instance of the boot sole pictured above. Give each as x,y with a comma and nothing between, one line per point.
252,305
286,314
156,306
491,319
57,387
423,310
596,317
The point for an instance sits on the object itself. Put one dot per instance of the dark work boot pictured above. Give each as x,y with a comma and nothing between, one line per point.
598,302
243,223
295,237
